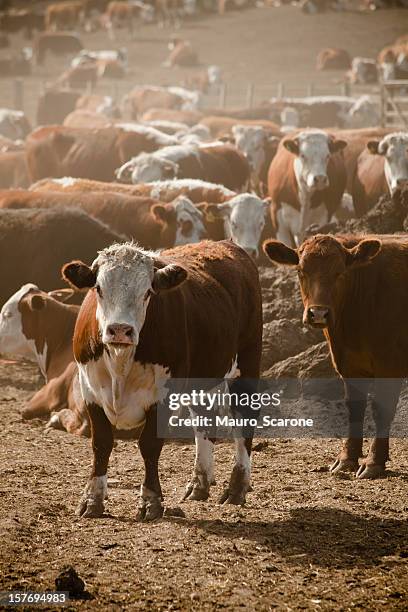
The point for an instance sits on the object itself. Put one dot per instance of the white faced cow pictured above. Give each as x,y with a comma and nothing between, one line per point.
394,150
306,182
252,141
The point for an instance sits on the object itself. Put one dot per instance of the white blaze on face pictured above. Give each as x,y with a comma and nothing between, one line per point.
190,226
394,148
12,340
311,163
244,220
251,141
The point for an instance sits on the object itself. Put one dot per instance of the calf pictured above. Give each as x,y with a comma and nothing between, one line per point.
306,182
354,288
135,298
382,167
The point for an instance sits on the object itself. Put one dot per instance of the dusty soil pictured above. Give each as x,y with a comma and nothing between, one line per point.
304,540
262,46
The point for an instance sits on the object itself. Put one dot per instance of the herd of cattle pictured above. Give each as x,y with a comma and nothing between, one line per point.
176,206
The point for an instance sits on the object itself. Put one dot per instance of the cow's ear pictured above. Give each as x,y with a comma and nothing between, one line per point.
292,145
36,301
363,252
164,212
280,253
79,275
335,146
62,295
372,146
169,277
216,211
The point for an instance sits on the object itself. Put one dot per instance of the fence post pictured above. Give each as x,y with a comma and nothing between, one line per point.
223,94
310,89
346,88
250,95
281,90
19,94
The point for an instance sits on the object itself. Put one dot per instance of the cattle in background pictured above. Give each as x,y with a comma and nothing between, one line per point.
393,61
86,119
221,126
169,293
97,103
113,55
165,191
188,117
333,59
16,64
23,234
120,14
59,151
259,147
66,15
22,20
363,70
13,170
14,124
381,168
214,163
181,53
143,98
55,104
354,288
207,81
7,144
82,76
152,224
56,43
306,182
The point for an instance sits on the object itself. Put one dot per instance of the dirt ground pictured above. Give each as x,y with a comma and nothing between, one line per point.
262,46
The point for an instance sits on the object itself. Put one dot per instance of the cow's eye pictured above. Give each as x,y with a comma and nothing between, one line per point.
98,290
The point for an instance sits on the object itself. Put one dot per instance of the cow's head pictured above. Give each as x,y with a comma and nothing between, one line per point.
251,140
244,220
322,263
146,168
182,222
124,277
394,149
313,150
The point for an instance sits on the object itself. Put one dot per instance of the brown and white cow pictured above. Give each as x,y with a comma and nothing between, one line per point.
354,288
152,224
259,147
363,70
64,15
211,162
306,182
86,119
122,14
381,168
141,324
97,103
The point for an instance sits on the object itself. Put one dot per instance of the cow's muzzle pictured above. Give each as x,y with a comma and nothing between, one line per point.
316,316
120,333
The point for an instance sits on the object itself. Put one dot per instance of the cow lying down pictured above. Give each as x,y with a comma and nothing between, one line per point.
194,311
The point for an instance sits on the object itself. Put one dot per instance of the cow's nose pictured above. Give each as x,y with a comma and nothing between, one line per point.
120,333
320,180
317,316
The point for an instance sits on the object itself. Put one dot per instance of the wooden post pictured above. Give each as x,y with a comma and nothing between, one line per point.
281,90
345,88
223,95
19,94
250,95
310,89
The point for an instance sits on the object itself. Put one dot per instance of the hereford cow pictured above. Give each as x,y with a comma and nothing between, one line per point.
55,104
57,43
333,59
86,119
14,124
381,168
165,191
363,70
393,61
114,55
354,289
137,296
259,147
23,234
306,182
190,118
220,126
97,103
88,153
215,163
144,98
122,14
153,225
64,15
207,81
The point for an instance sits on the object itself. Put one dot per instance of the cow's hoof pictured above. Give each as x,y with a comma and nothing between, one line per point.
343,465
150,510
89,508
195,493
236,498
370,471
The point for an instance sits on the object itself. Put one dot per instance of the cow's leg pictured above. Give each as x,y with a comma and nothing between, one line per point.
385,400
198,488
356,403
150,505
91,504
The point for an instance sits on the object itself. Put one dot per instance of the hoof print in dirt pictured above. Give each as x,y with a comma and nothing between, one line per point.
68,580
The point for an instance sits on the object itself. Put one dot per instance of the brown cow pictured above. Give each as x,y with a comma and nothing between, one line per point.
54,105
144,98
97,103
220,126
88,153
13,170
353,287
122,14
306,182
58,43
24,234
188,117
166,296
181,54
333,59
153,225
165,191
22,20
86,119
64,15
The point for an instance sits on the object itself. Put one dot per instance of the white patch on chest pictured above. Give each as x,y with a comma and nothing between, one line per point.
290,220
125,398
